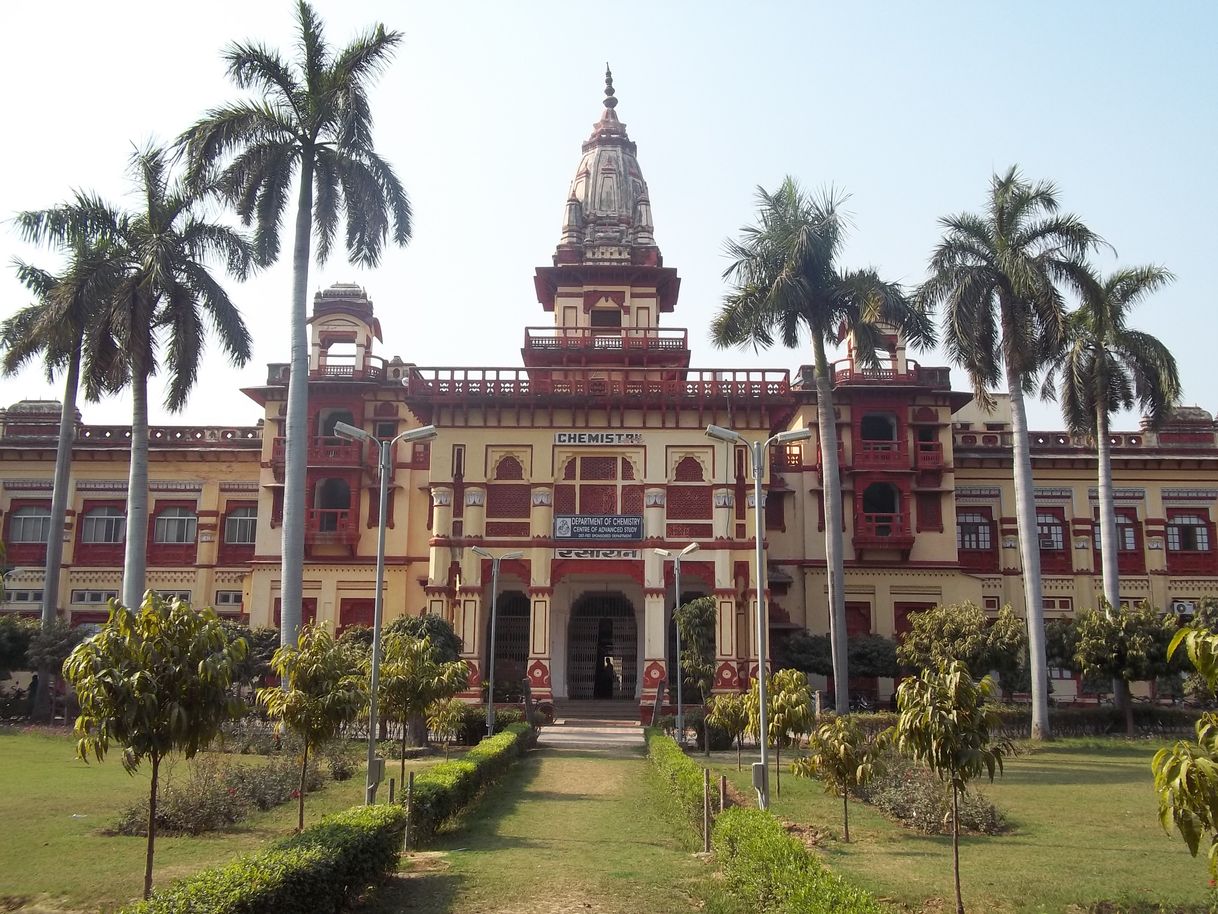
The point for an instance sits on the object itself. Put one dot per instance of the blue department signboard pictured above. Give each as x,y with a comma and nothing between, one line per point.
598,527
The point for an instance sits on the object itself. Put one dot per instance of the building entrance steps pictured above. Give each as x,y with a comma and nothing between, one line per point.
611,712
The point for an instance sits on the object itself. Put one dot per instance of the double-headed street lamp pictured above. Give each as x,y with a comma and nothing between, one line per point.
676,604
490,674
761,771
385,448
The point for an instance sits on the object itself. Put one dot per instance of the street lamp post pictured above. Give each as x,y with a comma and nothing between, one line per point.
490,673
761,771
385,449
676,604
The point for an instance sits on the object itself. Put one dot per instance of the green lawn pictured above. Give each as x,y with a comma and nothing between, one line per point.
1084,830
53,855
564,831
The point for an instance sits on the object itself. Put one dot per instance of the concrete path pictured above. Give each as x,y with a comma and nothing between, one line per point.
580,824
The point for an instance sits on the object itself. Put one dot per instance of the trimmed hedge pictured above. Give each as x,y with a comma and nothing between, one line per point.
678,770
773,872
1015,721
323,869
445,789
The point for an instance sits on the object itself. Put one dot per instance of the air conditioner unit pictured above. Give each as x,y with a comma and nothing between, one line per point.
1184,607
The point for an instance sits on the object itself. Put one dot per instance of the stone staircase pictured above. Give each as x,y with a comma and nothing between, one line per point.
596,713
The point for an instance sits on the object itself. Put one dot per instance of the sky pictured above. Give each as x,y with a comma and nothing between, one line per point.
908,107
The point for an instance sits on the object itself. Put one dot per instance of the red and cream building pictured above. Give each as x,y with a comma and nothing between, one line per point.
587,454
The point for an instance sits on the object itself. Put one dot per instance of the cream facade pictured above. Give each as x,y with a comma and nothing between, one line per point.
588,454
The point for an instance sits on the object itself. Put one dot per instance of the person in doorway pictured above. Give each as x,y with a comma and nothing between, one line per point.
602,687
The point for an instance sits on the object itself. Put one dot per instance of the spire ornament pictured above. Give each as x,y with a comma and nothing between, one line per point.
610,101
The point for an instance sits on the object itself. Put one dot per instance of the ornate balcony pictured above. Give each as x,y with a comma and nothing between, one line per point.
567,345
324,451
929,455
331,525
882,531
880,455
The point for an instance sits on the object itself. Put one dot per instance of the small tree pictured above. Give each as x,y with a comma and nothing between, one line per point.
318,695
729,712
790,713
261,644
947,721
961,631
16,634
1186,773
444,718
843,758
1124,645
412,679
153,681
49,649
696,623
446,646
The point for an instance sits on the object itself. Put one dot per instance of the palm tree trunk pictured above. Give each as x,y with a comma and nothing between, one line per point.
956,847
297,431
304,772
834,562
156,766
59,510
135,556
1029,553
1110,549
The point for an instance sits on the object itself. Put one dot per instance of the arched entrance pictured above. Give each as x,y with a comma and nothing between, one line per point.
602,625
511,640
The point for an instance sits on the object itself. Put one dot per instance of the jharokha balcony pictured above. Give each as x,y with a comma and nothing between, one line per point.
929,455
324,451
581,345
880,454
882,531
331,525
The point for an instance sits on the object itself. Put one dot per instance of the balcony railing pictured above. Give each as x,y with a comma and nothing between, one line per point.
656,384
331,525
929,454
884,531
324,450
880,454
601,339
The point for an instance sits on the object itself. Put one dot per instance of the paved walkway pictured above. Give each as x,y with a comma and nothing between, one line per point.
580,824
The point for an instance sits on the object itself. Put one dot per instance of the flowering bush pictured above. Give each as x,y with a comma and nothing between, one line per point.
912,795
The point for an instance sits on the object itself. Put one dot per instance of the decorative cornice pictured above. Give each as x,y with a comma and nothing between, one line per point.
1119,494
238,487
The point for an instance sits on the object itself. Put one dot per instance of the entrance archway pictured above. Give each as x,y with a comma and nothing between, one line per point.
602,625
511,640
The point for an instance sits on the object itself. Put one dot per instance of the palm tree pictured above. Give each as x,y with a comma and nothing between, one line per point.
154,303
786,280
313,123
1104,367
61,328
999,278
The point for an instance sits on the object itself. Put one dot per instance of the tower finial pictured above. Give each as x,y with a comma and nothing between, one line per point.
610,101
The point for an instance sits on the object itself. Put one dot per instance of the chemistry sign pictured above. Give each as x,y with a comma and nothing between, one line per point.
598,527
598,438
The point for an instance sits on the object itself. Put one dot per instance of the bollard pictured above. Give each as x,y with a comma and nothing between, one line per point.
706,818
722,792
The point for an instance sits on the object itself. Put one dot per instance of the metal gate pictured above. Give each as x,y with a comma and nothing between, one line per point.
602,625
511,637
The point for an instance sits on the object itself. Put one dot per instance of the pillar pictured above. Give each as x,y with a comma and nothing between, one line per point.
655,665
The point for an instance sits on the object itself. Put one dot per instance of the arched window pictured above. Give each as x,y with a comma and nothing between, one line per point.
103,525
509,468
31,524
332,498
175,525
878,427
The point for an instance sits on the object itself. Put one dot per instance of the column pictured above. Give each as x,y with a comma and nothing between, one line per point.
475,509
655,665
541,514
725,513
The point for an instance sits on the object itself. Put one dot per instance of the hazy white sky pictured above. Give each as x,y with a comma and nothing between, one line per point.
910,107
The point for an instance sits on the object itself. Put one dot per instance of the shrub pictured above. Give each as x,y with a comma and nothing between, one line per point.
911,794
324,868
473,722
678,770
216,794
770,871
342,759
445,789
1014,721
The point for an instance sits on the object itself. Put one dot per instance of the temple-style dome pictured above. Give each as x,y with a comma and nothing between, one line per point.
608,212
